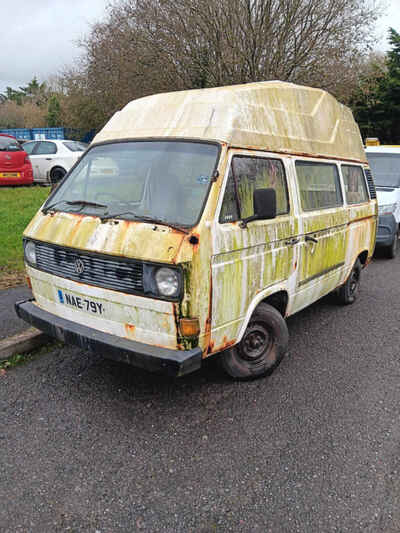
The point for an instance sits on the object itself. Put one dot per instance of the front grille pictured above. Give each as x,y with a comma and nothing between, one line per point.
124,275
371,185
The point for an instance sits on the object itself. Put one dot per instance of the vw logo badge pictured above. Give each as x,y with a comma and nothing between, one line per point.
79,266
8,157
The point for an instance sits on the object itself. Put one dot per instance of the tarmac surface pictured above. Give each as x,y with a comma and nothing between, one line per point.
95,446
10,324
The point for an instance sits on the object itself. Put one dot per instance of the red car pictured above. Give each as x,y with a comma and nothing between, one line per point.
15,166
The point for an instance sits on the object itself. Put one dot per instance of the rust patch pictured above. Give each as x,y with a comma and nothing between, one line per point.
75,228
130,329
207,326
224,346
175,311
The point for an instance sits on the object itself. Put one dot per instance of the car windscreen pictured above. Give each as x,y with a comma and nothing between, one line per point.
162,180
385,169
9,145
75,146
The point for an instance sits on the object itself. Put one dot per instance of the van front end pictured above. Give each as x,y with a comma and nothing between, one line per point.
113,256
94,301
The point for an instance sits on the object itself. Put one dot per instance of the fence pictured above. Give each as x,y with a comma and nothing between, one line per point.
29,134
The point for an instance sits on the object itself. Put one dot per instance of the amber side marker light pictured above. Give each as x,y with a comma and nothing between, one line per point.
189,327
372,141
28,282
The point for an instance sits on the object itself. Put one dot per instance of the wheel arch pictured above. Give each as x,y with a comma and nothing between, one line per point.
363,257
277,297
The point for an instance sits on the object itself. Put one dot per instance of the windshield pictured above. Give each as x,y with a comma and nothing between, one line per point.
164,180
9,145
385,169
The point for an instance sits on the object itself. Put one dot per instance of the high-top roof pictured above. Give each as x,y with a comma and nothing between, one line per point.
272,115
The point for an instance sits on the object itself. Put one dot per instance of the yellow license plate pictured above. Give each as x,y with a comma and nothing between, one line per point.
10,174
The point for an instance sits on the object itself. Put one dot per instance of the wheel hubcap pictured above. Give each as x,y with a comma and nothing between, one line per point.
255,342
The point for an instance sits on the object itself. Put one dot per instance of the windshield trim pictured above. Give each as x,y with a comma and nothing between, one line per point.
145,139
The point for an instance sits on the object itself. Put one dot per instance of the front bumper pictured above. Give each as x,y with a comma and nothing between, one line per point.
387,229
151,358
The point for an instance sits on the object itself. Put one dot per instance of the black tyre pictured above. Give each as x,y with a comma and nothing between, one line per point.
348,292
391,250
57,174
262,347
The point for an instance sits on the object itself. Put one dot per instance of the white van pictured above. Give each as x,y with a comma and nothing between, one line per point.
385,166
197,221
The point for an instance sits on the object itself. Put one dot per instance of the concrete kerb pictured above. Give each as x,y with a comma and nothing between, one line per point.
26,341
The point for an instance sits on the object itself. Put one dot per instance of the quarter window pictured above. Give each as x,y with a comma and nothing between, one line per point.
247,174
319,185
354,184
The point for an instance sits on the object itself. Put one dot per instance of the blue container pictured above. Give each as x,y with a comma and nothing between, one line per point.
48,133
19,133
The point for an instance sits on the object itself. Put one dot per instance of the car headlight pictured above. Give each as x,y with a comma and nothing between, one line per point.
167,281
386,209
30,252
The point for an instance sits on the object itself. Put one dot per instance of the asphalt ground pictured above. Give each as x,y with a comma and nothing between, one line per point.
93,445
10,324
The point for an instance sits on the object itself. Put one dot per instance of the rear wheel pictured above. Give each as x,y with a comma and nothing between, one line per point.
262,347
348,292
57,174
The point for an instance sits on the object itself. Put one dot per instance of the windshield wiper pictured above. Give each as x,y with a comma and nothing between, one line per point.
83,203
146,218
48,208
164,222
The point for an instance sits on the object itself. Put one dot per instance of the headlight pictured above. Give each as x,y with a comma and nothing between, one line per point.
386,209
167,280
30,252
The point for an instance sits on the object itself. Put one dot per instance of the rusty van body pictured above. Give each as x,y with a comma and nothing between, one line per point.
197,221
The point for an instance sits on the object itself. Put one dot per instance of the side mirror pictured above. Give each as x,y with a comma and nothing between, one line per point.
264,202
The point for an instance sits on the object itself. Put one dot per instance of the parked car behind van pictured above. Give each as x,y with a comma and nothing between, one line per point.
385,165
197,221
51,159
15,167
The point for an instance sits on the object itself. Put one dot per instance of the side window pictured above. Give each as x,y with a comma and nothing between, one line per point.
247,174
319,185
45,147
28,147
354,184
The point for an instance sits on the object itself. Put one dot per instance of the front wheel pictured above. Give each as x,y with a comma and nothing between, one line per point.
262,347
348,292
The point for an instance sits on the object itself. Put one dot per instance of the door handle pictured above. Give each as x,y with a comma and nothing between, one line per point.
311,239
291,242
49,159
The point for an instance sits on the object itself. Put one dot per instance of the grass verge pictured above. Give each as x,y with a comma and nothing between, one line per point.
17,207
21,359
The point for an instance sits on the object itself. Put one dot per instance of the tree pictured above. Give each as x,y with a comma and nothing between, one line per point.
149,46
53,111
24,107
376,102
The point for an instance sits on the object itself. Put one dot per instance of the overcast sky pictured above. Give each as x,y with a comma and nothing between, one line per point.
38,38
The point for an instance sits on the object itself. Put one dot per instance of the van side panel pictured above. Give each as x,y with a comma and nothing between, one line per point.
245,262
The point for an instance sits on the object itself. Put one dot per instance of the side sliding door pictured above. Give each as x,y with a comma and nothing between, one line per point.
323,220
